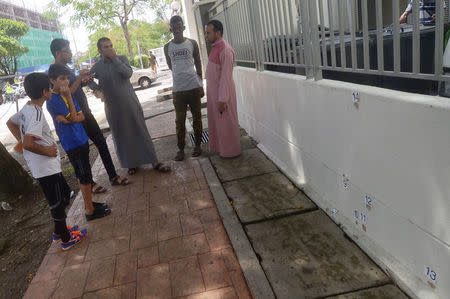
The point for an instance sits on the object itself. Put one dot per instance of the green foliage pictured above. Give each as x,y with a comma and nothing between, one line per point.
160,8
150,36
145,61
98,14
10,48
53,12
137,63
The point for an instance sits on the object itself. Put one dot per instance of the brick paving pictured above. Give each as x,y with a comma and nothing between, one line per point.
163,239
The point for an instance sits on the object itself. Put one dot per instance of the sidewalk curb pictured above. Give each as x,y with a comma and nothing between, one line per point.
254,275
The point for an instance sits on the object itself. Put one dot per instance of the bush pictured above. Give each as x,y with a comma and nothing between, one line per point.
137,63
145,61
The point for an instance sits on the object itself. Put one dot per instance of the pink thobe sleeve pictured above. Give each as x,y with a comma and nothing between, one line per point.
226,75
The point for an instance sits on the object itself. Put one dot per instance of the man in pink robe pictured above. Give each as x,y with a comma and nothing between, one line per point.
223,123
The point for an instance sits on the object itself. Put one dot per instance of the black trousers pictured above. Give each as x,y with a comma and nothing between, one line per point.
57,193
79,158
95,134
181,100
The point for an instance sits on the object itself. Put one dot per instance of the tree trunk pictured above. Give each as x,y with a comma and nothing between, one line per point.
127,37
13,178
124,24
14,65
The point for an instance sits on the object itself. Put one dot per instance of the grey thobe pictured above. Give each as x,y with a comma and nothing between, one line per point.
134,146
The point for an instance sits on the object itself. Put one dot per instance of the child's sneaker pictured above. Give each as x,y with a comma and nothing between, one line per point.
57,237
75,238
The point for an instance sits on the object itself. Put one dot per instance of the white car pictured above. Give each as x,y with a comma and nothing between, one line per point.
142,77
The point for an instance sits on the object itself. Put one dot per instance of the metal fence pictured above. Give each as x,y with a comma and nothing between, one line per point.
360,36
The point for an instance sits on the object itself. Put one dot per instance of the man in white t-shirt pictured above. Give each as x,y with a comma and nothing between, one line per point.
427,12
183,58
30,127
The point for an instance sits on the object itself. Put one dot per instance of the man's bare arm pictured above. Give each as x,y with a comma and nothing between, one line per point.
197,60
166,53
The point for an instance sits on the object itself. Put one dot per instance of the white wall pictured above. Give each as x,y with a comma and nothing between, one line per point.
392,146
189,19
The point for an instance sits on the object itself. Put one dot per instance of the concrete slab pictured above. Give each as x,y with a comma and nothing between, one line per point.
164,96
385,292
308,256
254,275
162,125
266,196
166,148
163,90
250,163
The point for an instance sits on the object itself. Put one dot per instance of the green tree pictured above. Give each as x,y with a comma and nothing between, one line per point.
96,14
160,7
10,47
150,36
53,13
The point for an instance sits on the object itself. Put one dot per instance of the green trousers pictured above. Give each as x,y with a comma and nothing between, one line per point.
181,100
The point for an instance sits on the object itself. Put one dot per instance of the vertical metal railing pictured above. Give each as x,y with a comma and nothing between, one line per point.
335,35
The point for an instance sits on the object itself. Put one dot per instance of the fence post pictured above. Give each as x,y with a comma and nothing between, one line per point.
225,14
305,27
255,25
315,41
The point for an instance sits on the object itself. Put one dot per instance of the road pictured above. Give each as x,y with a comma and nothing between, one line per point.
145,97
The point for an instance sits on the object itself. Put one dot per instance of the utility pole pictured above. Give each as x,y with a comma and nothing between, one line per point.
139,51
74,41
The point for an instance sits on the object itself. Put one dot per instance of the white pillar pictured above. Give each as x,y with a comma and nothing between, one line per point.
189,19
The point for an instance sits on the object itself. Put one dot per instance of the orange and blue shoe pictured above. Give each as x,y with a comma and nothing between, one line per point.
57,237
75,238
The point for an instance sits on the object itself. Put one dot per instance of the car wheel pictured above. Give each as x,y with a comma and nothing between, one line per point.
145,82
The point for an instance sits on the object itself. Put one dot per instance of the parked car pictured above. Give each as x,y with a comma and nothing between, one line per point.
143,77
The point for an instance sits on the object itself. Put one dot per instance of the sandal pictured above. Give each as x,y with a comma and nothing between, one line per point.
99,212
100,205
132,171
161,167
123,182
98,190
197,151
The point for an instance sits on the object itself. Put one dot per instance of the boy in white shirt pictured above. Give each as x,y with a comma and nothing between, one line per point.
41,154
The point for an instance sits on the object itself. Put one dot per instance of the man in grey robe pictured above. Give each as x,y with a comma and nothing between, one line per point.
133,144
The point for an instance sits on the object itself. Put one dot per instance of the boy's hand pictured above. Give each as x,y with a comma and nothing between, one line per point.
51,150
62,119
64,91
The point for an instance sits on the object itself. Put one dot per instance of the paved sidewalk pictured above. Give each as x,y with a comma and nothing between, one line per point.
163,239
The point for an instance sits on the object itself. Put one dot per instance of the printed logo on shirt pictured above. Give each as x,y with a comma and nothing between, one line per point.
181,54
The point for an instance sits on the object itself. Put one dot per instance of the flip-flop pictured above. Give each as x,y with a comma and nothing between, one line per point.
98,190
132,171
161,167
123,182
